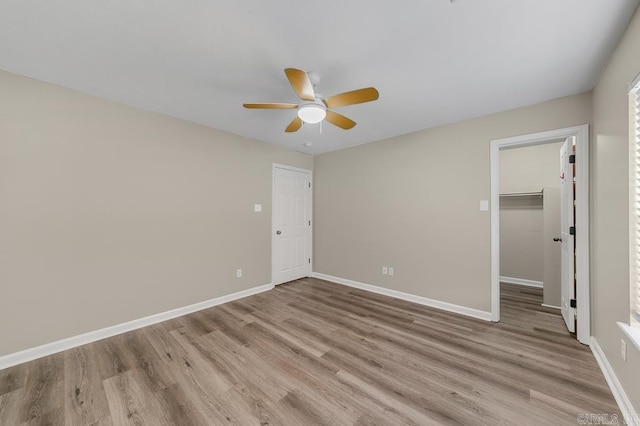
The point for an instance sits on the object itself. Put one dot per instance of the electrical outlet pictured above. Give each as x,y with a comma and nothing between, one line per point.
623,348
238,273
384,270
390,271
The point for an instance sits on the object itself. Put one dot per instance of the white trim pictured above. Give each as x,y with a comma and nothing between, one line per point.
582,235
628,412
495,231
273,219
445,306
92,336
582,217
634,82
632,333
286,167
521,281
544,305
634,174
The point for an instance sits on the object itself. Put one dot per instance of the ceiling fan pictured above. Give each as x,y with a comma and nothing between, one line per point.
313,108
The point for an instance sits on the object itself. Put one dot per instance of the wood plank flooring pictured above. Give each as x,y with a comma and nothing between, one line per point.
314,352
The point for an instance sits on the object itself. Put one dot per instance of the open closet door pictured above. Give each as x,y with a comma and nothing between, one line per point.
568,288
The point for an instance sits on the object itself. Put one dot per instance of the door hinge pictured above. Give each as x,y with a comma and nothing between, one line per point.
572,158
309,184
572,230
573,303
309,223
309,260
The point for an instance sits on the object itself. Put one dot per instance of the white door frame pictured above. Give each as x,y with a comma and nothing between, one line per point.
273,219
582,217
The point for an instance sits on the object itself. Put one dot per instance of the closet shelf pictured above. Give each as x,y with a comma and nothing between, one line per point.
522,194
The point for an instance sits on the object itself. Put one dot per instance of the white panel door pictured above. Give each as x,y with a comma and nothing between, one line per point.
291,224
567,284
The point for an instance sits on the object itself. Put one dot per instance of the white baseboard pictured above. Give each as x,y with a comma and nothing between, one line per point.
550,306
445,306
618,392
521,281
92,336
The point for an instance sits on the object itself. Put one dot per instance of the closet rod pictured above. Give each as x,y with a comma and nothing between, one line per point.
522,194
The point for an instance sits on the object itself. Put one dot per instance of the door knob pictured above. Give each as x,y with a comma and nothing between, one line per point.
557,239
278,232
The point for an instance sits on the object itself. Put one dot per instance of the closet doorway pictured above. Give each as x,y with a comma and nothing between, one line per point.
527,230
530,219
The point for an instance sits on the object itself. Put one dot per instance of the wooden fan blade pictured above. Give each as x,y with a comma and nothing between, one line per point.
271,106
301,84
339,120
350,98
294,126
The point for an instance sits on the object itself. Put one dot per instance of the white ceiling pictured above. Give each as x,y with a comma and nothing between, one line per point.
433,61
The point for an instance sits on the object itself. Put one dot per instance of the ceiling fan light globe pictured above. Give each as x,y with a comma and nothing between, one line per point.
312,113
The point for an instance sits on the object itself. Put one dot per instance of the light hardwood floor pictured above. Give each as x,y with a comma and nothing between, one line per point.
314,352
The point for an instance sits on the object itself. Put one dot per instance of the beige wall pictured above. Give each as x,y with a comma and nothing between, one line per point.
522,246
412,202
609,208
109,213
521,242
530,168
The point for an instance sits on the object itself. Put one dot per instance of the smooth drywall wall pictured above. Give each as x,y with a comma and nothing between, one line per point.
521,243
609,209
109,213
530,168
522,247
412,202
